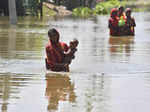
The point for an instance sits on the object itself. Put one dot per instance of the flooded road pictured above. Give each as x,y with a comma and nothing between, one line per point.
109,74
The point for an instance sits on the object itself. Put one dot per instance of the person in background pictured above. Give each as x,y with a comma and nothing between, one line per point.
130,23
121,12
113,22
55,52
122,20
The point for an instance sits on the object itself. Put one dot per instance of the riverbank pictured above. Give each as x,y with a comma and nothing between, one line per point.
50,9
54,10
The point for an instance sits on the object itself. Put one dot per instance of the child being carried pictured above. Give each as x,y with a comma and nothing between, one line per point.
69,55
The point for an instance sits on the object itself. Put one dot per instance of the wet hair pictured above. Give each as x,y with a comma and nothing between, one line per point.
121,8
128,10
114,12
76,41
52,32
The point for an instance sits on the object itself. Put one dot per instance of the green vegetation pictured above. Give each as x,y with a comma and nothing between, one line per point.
20,8
101,8
82,12
105,7
83,9
33,6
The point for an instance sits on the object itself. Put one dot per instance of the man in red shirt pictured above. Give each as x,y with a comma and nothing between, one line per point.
55,52
113,22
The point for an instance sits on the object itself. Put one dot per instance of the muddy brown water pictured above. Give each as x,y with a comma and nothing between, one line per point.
109,74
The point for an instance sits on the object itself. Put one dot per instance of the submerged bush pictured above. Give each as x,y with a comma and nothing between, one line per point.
82,12
100,8
105,7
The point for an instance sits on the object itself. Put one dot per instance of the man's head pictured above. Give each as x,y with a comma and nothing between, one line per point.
121,9
128,12
114,12
53,35
74,43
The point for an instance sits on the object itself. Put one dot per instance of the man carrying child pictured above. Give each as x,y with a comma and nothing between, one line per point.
59,54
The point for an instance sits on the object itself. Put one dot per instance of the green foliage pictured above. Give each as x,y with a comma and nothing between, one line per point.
105,7
114,2
82,12
20,8
33,6
101,8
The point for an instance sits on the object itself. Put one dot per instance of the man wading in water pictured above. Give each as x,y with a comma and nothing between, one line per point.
57,53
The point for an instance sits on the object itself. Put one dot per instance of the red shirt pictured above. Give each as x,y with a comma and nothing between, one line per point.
113,22
55,54
113,26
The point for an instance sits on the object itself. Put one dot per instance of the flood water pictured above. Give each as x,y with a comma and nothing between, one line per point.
109,74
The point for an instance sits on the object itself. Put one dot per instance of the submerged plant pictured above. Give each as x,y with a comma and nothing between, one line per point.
100,8
82,12
105,7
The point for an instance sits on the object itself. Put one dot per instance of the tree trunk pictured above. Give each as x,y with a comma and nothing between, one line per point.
12,12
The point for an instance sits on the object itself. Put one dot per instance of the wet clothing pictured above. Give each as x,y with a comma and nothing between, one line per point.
130,24
120,25
55,55
113,26
113,23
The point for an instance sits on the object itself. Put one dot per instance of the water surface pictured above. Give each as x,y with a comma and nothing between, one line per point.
109,74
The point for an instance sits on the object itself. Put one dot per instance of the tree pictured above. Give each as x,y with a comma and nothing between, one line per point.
12,11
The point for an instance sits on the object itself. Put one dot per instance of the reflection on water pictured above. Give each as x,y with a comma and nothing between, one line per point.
15,44
58,89
120,46
10,85
93,91
21,47
87,93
